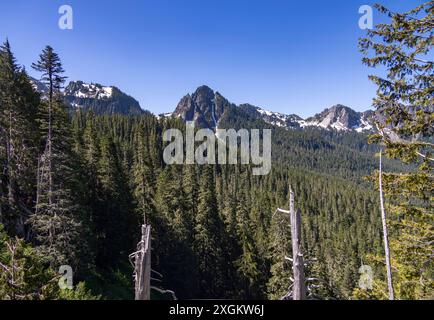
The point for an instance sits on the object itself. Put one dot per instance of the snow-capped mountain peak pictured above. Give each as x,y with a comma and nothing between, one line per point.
207,107
96,97
340,118
100,99
274,118
80,89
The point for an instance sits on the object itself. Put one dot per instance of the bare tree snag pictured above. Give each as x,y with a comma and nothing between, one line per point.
142,265
385,234
147,264
299,290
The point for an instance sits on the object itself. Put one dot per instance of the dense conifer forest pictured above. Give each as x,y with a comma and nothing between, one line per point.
76,187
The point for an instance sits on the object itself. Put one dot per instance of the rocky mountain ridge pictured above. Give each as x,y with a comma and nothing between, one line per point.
206,107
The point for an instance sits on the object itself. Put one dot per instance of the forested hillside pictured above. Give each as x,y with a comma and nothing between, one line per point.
76,186
346,154
214,235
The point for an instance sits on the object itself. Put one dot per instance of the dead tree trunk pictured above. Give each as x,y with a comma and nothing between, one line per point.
299,290
298,286
385,234
147,268
142,265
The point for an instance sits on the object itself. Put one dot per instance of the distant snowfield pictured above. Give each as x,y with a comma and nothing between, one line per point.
282,120
93,91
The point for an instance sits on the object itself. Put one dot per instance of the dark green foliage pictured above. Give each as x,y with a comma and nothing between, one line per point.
25,274
213,236
405,108
18,143
208,241
56,221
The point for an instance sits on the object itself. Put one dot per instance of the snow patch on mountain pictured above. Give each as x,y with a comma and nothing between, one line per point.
88,90
38,85
364,126
340,118
274,118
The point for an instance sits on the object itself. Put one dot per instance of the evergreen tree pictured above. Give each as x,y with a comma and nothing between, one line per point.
404,104
91,154
56,221
208,239
23,272
18,138
247,263
143,178
191,190
280,248
114,218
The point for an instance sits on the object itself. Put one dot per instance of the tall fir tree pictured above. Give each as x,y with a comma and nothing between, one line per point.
405,109
18,138
56,221
208,242
247,262
114,218
143,178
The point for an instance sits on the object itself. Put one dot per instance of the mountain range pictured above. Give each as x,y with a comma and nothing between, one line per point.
96,97
207,108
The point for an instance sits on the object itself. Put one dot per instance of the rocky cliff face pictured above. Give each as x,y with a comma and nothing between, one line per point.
205,107
340,118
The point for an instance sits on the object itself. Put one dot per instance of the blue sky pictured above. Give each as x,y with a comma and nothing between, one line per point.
287,56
